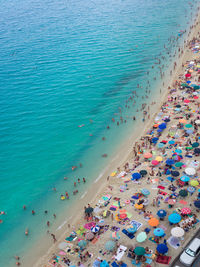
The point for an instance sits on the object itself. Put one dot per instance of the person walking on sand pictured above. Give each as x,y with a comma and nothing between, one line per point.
54,238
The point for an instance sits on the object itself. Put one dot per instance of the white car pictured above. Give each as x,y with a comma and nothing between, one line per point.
191,252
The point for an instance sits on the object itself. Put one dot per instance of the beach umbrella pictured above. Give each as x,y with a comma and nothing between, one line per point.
162,126
197,204
190,171
185,178
95,229
162,248
153,222
191,189
195,144
136,176
154,139
187,75
143,172
161,213
145,192
188,125
178,151
177,232
141,237
139,251
189,132
185,211
155,125
197,150
123,216
188,82
158,232
159,131
82,244
179,164
160,145
186,101
197,122
174,218
178,106
196,87
89,236
63,245
138,206
183,193
159,158
89,210
194,183
104,264
147,155
171,142
170,162
183,121
171,201
175,173
155,162
110,245
196,97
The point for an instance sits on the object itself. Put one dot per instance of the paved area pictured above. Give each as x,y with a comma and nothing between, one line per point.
197,261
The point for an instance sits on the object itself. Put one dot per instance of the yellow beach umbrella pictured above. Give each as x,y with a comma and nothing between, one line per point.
183,121
194,183
113,174
138,207
159,158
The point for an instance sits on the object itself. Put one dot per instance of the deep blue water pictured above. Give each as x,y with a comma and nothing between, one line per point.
62,64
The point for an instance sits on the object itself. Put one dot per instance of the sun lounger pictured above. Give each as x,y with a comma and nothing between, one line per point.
120,252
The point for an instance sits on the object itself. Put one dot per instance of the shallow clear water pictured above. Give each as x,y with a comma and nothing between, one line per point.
62,64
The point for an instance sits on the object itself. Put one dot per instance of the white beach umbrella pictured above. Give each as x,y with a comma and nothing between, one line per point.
62,245
177,232
197,122
190,171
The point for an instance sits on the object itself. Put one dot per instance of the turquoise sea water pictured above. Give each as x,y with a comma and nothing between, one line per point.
62,64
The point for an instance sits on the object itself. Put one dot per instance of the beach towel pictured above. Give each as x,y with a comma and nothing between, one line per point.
163,193
120,252
94,240
114,264
137,224
134,263
130,235
89,225
153,239
113,208
161,187
163,259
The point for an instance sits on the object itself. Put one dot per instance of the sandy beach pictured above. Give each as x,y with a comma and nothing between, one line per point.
114,196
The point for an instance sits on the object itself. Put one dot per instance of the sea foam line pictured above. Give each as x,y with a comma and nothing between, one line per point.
83,195
61,226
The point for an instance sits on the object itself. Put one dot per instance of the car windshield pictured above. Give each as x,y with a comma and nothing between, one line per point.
190,252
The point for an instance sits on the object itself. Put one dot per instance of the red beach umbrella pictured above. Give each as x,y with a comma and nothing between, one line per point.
185,211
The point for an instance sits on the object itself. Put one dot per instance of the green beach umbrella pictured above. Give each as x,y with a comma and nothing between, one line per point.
82,243
179,164
189,147
196,87
141,237
188,125
110,245
184,84
196,144
183,193
139,251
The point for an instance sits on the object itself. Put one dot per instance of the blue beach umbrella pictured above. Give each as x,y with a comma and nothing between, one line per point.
174,218
159,130
171,142
178,151
162,126
189,131
104,264
162,248
185,178
188,82
158,232
136,176
132,229
197,204
170,161
175,173
154,140
82,244
167,120
160,145
161,213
